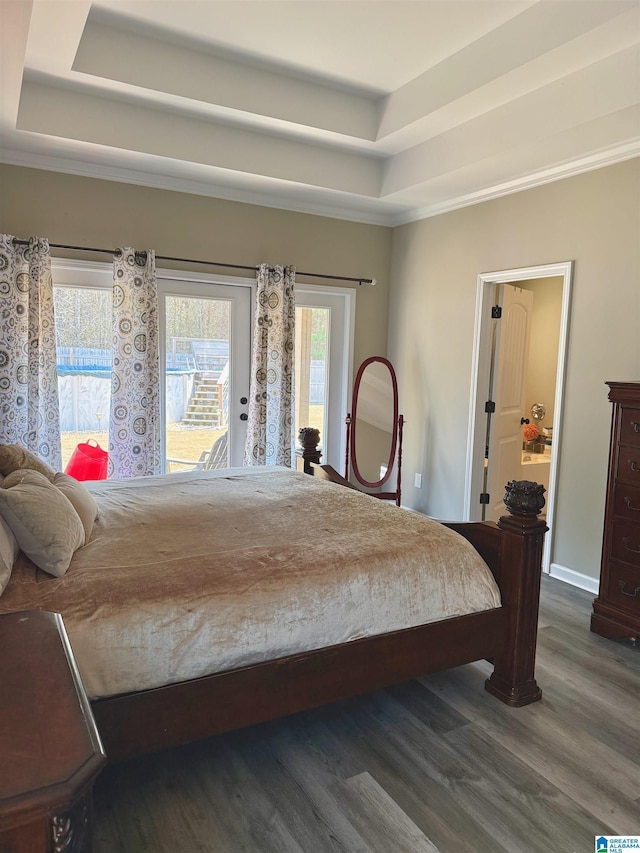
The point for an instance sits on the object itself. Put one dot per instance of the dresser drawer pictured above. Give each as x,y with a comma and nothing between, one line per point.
625,542
624,586
626,502
628,470
630,426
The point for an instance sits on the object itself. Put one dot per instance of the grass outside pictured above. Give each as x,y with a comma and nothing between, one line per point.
182,442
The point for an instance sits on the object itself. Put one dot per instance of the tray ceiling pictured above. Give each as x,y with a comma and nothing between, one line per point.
367,110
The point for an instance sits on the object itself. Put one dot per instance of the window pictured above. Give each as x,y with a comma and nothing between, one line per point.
324,353
312,361
83,342
205,342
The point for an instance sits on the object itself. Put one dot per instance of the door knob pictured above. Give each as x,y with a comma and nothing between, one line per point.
524,421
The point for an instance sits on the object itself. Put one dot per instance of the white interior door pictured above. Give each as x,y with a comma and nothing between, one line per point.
512,355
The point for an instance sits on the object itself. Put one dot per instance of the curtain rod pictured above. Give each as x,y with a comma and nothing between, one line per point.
359,281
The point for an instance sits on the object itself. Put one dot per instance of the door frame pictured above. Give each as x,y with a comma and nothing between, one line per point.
480,378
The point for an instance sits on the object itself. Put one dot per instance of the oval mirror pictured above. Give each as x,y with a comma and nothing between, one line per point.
374,422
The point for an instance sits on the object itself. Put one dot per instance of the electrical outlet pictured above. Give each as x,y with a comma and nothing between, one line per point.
418,481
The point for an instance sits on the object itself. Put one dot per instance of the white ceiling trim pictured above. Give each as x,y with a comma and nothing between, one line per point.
206,184
83,116
546,176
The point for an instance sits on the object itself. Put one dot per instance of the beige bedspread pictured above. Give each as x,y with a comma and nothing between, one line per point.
200,572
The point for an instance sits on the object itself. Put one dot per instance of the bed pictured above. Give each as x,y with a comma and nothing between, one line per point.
180,627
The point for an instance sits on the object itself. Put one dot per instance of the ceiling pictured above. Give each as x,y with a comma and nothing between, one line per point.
382,111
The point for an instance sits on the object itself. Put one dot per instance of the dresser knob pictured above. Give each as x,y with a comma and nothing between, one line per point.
636,426
634,465
630,505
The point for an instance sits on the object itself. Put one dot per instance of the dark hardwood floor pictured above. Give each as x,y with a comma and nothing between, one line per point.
435,764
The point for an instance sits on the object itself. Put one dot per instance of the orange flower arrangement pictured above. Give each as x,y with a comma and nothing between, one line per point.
531,432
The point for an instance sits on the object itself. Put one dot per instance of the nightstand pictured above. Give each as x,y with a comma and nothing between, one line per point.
50,751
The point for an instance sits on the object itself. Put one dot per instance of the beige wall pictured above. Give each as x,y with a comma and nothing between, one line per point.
88,212
592,219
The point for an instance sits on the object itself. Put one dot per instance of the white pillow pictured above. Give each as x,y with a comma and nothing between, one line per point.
81,499
9,550
42,519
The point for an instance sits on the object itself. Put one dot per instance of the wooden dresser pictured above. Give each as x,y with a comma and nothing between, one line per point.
50,751
616,610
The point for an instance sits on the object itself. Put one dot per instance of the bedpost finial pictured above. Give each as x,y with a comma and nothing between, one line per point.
524,498
308,438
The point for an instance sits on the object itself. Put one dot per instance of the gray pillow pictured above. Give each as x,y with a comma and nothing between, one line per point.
43,520
9,550
81,499
14,457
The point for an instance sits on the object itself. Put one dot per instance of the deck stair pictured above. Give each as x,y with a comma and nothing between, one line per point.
205,404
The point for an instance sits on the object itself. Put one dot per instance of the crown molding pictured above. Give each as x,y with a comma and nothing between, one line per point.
346,210
599,160
334,210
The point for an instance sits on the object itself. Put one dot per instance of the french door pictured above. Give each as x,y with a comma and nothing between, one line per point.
205,346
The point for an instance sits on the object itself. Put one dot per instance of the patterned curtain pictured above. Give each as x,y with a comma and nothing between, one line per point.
29,408
134,425
270,439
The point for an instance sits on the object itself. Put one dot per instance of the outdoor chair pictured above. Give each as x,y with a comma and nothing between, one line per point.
209,459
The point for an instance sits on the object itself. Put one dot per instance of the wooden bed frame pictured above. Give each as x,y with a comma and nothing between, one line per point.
151,720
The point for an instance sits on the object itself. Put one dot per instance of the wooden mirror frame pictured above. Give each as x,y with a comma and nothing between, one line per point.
396,435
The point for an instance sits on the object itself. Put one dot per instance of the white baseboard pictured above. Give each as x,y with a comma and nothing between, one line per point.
562,573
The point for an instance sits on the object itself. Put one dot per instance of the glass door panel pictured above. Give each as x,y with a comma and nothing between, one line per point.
324,335
206,356
312,368
197,382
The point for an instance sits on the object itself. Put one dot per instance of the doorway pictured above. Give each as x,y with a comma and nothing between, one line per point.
507,370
